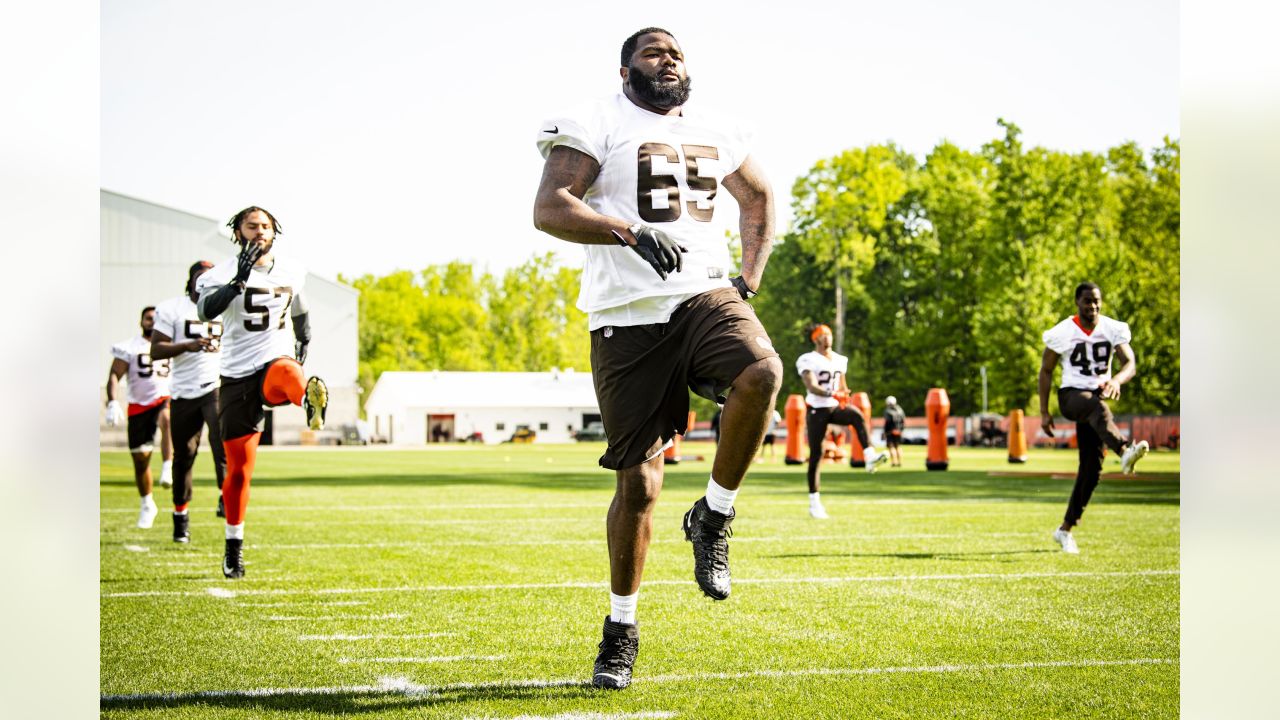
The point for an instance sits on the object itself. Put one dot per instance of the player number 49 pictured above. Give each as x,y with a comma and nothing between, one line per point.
1100,362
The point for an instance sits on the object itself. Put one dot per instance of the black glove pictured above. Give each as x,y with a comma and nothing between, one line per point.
300,351
245,261
741,285
659,249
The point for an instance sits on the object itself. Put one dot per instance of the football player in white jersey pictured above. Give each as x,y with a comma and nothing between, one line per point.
1085,344
823,371
192,347
266,330
148,389
634,179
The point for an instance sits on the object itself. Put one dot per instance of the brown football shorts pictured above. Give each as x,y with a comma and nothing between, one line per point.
643,373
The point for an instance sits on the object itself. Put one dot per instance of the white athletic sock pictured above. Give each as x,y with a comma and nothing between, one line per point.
235,532
815,500
184,512
718,498
148,501
166,467
622,608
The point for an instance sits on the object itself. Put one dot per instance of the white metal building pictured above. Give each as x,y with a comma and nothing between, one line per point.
417,408
146,251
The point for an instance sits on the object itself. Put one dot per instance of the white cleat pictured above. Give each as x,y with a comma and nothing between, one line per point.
147,515
1132,455
875,459
166,477
818,512
1068,543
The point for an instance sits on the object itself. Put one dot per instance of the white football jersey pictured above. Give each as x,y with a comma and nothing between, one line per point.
663,171
1086,356
826,371
191,374
148,381
257,326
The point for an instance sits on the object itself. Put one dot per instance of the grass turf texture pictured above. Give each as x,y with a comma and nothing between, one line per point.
481,574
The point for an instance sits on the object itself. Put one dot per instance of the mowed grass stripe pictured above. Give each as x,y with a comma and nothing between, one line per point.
868,606
595,585
400,686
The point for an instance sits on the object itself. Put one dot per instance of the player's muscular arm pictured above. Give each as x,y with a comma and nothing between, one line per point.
749,187
117,371
559,209
1128,368
163,346
1047,364
811,384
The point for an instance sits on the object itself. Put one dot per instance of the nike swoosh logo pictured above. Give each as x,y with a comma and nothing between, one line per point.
554,129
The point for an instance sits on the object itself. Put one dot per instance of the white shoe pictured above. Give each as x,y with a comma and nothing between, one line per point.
875,459
148,515
1132,455
818,512
1068,543
166,476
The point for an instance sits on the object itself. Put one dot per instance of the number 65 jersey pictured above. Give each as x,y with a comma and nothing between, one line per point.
661,170
1086,355
257,326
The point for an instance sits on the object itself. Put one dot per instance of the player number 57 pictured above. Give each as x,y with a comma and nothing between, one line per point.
261,310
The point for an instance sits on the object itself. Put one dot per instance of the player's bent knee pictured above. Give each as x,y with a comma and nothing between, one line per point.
763,377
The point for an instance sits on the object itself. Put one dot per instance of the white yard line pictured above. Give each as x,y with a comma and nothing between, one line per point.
420,660
598,541
136,548
652,583
291,618
336,603
352,638
402,686
603,504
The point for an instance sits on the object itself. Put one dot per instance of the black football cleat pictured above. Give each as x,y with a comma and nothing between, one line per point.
617,654
221,511
233,560
181,528
709,532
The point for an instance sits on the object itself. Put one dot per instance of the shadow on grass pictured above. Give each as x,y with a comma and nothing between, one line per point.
354,701
951,485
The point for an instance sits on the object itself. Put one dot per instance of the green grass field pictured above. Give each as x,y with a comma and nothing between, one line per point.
470,582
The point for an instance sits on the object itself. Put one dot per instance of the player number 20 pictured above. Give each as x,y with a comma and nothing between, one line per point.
649,183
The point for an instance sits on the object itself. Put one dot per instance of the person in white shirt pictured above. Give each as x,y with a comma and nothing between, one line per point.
192,346
147,383
1085,344
634,179
823,372
266,328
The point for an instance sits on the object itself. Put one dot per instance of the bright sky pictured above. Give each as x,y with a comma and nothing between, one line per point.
399,134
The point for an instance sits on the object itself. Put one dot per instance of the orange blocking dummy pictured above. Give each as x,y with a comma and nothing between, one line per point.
937,408
1017,437
794,418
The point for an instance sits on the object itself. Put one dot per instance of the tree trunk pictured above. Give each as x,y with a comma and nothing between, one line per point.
839,328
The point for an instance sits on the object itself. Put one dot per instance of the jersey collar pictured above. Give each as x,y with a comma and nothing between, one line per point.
1076,320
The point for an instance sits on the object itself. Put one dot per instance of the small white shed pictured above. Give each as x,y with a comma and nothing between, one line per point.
420,408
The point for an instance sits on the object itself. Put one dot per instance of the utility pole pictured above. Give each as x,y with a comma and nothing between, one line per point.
983,370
